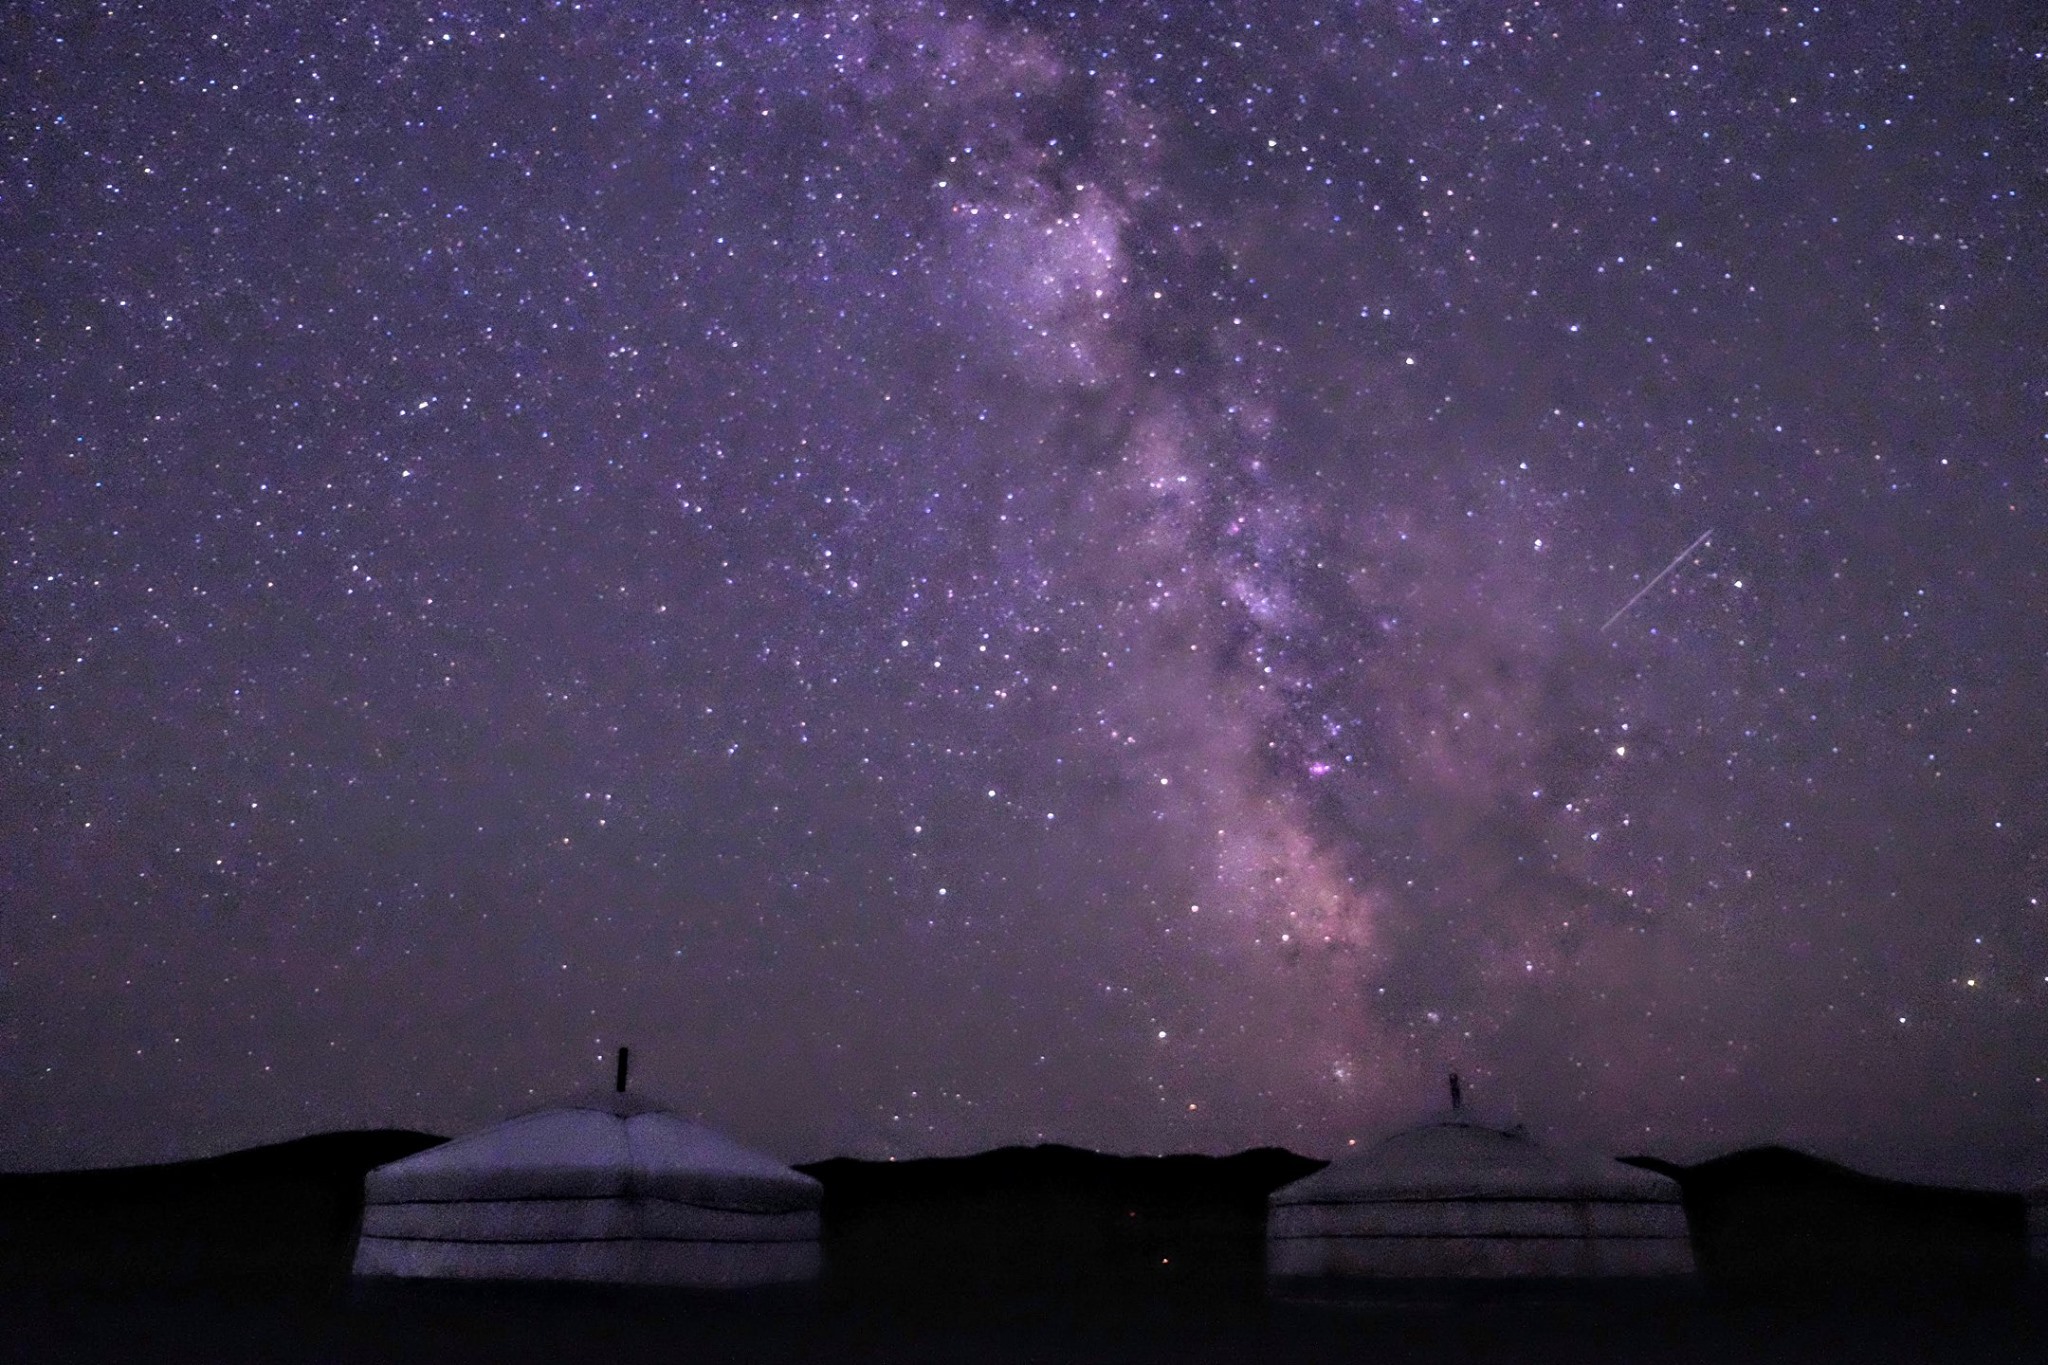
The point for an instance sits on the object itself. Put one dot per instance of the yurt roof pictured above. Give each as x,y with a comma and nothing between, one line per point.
597,1146
1456,1159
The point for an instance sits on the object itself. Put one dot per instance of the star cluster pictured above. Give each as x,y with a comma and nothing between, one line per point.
971,573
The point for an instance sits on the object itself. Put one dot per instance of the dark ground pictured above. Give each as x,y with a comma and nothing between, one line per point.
1041,1254
443,1323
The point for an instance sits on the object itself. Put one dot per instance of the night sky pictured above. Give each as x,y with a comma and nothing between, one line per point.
973,574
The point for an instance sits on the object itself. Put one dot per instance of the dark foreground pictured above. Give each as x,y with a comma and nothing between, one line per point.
443,1323
1040,1254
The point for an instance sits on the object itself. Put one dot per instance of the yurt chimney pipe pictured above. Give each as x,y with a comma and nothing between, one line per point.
620,1084
1457,1092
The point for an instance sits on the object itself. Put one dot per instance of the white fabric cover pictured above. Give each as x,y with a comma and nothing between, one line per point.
1461,1200
610,1188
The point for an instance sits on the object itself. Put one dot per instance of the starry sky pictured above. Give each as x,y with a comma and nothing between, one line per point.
967,573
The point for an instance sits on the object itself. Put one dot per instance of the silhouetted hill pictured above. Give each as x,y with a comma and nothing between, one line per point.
280,1216
1051,1218
1773,1222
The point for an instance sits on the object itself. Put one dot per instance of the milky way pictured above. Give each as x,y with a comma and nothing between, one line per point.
969,574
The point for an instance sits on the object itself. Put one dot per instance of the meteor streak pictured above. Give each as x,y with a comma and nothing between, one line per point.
1644,591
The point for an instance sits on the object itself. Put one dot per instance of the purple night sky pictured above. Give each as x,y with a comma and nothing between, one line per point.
975,573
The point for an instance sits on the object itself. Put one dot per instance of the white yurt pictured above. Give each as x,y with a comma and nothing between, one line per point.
609,1187
1459,1199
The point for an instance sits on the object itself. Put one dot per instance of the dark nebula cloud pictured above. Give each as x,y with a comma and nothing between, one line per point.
965,574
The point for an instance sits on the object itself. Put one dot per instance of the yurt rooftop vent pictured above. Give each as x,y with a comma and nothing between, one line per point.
624,1054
